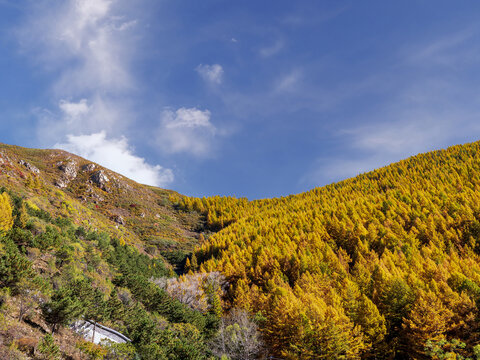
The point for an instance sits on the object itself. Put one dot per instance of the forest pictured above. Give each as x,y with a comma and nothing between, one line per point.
384,265
381,266
53,273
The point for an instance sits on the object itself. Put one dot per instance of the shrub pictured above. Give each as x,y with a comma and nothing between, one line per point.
48,349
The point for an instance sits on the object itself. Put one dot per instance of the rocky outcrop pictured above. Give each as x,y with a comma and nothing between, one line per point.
61,183
69,169
88,168
100,179
29,167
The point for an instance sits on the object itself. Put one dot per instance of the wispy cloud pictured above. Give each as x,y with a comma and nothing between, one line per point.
83,39
117,155
401,134
88,47
446,50
186,131
288,82
272,49
431,109
212,74
74,110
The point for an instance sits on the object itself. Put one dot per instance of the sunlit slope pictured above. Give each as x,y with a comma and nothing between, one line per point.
377,265
98,198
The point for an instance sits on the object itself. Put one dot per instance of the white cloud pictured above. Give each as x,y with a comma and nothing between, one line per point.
85,41
82,117
88,46
90,11
116,155
211,73
74,110
186,131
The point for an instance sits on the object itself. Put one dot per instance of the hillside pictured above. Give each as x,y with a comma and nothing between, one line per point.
80,241
97,198
384,265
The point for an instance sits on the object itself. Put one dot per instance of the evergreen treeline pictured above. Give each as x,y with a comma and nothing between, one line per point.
384,265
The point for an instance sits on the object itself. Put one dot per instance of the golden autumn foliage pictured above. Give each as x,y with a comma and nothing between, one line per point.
370,267
6,218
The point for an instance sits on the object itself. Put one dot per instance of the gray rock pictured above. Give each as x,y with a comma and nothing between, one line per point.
88,168
99,178
4,158
29,167
69,169
61,183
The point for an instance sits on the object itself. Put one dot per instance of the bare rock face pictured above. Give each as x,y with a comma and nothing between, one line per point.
29,167
100,179
61,183
88,168
69,169
4,159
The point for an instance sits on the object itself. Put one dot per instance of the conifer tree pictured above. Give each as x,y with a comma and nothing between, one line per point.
48,348
6,219
193,262
21,216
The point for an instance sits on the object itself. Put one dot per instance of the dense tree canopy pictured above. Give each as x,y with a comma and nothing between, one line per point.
374,266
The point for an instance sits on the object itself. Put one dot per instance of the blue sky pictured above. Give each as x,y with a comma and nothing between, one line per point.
245,98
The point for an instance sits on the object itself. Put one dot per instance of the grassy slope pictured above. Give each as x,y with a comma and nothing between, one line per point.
151,222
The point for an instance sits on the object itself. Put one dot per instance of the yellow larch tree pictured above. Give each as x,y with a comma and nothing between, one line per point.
6,218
